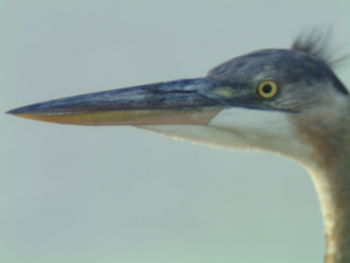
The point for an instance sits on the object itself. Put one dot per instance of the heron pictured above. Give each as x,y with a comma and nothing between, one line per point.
286,101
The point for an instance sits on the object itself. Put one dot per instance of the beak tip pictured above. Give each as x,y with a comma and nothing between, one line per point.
13,112
29,109
17,111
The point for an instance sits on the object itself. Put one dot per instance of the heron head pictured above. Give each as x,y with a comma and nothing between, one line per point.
267,99
295,103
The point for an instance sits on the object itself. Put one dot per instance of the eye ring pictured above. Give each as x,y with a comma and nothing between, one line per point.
267,89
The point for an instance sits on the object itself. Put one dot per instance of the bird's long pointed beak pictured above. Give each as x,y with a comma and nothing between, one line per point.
176,102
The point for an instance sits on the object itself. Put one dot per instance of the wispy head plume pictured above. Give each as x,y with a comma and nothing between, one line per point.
317,43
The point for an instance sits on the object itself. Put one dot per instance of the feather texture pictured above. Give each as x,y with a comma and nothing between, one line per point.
317,43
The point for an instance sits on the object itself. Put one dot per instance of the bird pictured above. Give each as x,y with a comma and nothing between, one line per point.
286,101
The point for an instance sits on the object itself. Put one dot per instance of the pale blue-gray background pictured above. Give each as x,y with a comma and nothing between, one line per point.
118,194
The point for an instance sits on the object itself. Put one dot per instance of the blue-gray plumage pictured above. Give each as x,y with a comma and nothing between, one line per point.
286,101
286,66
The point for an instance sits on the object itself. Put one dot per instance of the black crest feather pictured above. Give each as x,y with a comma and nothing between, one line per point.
317,43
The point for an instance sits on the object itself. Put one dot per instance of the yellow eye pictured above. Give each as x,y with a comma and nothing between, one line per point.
267,89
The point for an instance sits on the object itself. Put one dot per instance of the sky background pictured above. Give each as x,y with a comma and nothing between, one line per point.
119,194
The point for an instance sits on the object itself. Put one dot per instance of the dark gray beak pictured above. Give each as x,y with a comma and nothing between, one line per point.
188,101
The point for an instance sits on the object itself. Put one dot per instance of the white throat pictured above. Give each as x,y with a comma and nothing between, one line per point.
242,128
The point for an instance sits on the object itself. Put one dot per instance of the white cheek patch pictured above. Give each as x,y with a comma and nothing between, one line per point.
243,129
258,123
261,129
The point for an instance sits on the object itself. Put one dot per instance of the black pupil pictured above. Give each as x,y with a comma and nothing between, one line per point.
267,88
